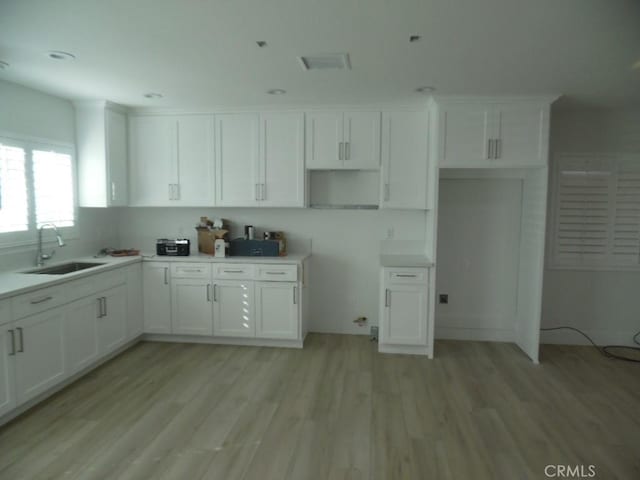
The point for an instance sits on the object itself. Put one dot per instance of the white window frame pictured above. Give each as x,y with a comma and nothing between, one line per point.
553,263
29,237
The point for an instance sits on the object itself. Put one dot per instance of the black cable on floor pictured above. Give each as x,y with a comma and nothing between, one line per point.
604,350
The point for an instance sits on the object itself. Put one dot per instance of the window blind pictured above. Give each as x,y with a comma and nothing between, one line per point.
597,211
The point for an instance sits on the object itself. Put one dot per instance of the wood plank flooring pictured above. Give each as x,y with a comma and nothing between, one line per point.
335,410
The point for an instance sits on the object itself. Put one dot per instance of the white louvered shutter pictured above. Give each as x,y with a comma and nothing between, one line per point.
625,244
53,188
14,207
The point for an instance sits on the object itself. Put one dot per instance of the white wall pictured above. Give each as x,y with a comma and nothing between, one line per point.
345,245
605,304
478,249
30,113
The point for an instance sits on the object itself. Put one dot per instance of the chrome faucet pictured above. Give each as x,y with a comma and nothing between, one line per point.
41,257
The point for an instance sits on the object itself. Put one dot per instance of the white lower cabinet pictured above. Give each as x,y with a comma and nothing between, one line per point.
233,311
277,310
39,358
135,313
81,333
404,307
7,352
112,321
191,306
157,297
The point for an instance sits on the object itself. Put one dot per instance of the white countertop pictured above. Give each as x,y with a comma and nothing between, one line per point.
17,282
292,258
404,260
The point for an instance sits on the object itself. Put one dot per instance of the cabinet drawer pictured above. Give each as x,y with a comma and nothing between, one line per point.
5,312
190,270
38,301
234,271
407,275
96,283
277,273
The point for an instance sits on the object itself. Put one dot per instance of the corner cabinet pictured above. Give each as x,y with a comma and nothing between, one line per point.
405,157
101,133
404,311
171,160
343,140
493,133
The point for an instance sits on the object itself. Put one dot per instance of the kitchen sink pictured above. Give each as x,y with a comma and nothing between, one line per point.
65,268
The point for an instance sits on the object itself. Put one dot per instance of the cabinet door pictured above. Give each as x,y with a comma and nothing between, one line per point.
81,333
7,356
135,315
362,140
324,137
465,134
282,160
39,360
233,308
195,161
153,169
521,135
237,180
157,297
405,315
277,310
405,159
191,306
112,326
116,146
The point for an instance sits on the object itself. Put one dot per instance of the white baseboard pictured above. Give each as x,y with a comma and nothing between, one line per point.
479,334
405,349
600,337
250,342
44,395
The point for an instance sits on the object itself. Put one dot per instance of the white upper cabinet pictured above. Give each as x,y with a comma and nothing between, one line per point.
281,166
343,140
171,160
480,134
153,168
238,182
405,142
101,131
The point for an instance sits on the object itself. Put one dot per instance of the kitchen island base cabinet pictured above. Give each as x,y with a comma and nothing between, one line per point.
404,311
157,297
233,311
277,309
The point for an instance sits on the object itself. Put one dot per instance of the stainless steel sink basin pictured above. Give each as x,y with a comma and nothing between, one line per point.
65,268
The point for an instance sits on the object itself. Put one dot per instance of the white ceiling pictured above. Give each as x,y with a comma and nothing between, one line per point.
202,53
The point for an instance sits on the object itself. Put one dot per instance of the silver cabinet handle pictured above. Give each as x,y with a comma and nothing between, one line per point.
41,300
21,349
387,298
233,271
276,273
406,275
191,270
341,151
215,293
166,275
208,292
347,151
295,296
13,342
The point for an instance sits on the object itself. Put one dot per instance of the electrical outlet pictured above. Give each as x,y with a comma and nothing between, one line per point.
443,298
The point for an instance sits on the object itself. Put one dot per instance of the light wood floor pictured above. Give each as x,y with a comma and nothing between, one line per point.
335,410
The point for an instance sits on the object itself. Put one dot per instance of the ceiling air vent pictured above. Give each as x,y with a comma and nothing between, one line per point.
332,61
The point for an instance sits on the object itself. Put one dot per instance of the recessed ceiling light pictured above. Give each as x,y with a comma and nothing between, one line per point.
58,55
3,64
425,89
152,95
414,38
276,91
261,43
